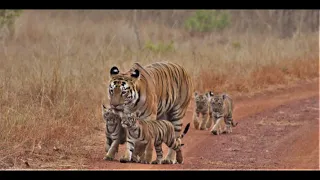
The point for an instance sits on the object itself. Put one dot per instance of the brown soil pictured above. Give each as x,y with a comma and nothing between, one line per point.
276,130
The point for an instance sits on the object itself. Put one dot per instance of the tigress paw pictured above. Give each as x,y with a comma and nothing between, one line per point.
179,157
124,160
145,162
108,158
156,162
135,161
179,161
167,161
215,132
203,128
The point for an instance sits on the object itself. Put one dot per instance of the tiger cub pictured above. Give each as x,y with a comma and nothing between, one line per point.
149,133
115,133
202,107
222,109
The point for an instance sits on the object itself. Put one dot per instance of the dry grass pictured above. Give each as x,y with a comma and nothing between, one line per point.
53,73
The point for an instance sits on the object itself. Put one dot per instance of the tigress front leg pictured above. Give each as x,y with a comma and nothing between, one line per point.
143,156
176,118
148,153
128,154
112,150
179,156
139,152
196,120
136,153
204,121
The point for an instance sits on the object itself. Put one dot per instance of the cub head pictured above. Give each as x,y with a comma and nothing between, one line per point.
201,99
128,119
122,89
110,116
216,102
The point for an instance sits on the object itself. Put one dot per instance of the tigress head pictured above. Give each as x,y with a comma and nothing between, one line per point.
110,116
128,119
216,102
202,100
122,88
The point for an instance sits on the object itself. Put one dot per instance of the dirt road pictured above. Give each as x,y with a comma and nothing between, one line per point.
276,130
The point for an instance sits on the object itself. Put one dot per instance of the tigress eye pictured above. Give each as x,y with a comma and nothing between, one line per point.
111,91
124,92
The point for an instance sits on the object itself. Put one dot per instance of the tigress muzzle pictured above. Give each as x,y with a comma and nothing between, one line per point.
117,107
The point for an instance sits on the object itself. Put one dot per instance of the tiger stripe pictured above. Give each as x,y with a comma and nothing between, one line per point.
115,133
158,91
151,134
222,108
202,108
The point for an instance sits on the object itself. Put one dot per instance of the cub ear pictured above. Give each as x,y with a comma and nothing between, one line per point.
195,93
182,145
114,70
135,73
224,96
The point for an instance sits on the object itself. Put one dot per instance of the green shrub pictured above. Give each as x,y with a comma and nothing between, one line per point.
160,47
7,19
236,45
207,21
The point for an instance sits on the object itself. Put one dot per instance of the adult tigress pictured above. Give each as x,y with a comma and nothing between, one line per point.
161,91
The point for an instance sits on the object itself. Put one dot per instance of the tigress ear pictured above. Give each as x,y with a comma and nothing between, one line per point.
211,93
114,70
135,74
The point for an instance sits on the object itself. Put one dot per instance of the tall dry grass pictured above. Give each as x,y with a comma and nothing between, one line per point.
53,73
